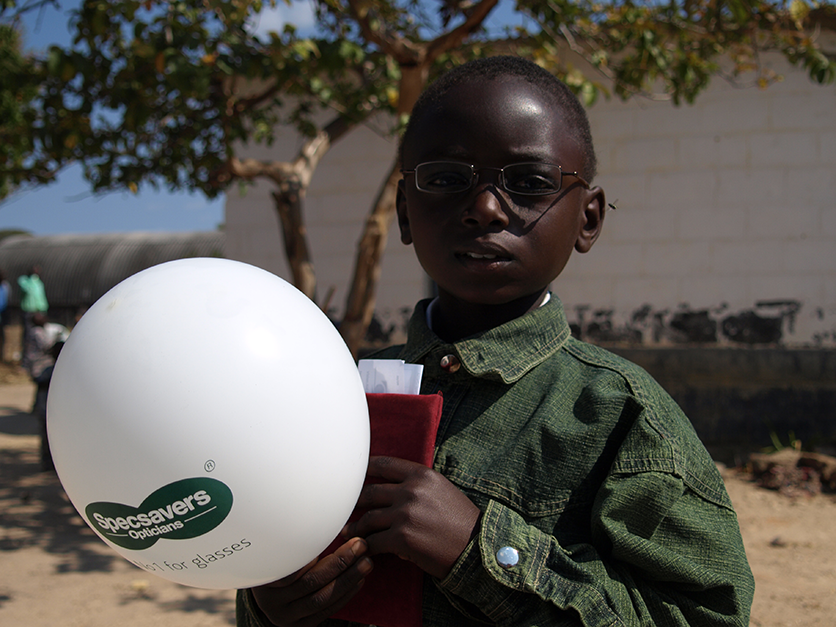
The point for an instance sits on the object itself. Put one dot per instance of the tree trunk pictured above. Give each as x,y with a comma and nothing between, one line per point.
293,181
362,296
288,203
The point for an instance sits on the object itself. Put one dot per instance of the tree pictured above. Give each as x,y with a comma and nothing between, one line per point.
672,50
16,113
166,93
20,79
161,94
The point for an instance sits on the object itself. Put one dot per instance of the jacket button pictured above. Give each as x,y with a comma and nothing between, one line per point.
450,363
507,557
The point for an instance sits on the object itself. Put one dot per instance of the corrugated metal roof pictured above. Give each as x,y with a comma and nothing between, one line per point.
78,269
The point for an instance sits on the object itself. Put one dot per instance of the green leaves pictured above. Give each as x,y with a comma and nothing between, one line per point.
18,112
672,50
162,93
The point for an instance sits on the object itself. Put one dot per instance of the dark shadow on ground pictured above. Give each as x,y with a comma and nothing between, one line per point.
208,604
15,422
192,600
35,511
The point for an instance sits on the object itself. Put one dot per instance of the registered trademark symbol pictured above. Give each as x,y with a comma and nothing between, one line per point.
209,466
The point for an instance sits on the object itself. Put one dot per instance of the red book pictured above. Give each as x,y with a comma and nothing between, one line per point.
405,426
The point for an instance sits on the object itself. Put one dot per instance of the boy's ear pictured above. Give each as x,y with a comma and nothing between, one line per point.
594,209
403,218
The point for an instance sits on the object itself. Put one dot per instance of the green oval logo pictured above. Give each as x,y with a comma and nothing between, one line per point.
178,511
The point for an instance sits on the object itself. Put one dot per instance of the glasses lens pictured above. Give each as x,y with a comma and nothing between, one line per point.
532,179
443,177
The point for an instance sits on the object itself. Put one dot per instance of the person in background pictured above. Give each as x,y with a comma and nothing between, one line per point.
44,342
32,301
5,292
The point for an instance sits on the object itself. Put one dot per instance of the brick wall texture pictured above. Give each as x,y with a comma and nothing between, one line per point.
725,232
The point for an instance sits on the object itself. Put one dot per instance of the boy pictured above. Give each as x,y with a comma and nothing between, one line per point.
567,487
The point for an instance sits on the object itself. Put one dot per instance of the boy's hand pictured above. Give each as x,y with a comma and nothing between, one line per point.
416,513
318,590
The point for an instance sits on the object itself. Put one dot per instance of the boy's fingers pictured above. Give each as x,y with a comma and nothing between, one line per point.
325,601
317,590
373,521
375,495
332,566
322,570
291,578
392,468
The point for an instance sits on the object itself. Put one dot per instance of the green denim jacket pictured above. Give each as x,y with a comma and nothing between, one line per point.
584,465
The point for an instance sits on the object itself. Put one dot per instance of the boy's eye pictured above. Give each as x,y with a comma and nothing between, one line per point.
444,178
527,181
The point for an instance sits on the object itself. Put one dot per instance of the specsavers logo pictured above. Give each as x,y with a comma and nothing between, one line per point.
178,511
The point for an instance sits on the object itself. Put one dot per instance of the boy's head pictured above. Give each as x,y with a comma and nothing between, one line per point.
505,67
486,233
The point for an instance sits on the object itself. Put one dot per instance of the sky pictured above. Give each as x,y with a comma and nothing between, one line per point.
68,206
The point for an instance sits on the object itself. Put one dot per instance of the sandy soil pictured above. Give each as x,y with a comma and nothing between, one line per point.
55,571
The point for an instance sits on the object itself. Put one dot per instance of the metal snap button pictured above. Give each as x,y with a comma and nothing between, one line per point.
450,363
508,557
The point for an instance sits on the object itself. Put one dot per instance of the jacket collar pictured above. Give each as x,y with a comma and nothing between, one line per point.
505,352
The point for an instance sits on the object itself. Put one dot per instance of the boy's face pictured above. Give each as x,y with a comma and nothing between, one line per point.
486,246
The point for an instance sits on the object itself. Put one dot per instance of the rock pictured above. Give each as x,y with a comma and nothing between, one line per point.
763,462
825,465
793,472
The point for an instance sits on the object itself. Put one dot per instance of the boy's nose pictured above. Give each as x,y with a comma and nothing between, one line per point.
487,207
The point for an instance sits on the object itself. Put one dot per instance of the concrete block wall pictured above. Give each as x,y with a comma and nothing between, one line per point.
725,232
725,229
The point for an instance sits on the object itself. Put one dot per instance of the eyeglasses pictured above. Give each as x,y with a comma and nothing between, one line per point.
527,179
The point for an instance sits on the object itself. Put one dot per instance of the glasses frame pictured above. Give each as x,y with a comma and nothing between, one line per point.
474,177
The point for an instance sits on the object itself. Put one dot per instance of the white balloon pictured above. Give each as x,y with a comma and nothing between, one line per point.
209,423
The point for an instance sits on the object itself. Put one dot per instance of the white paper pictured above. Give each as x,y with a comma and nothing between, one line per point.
412,378
390,376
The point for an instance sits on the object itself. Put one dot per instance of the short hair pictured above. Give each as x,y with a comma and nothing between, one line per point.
491,68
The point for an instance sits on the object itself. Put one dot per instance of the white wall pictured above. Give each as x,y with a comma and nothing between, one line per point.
723,205
726,219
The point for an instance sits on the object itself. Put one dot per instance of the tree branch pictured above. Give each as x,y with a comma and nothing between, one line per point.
397,47
453,38
406,52
362,296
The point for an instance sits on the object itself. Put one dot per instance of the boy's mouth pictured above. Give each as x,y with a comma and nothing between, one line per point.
477,256
484,257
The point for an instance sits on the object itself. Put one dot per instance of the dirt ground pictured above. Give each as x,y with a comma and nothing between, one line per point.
55,571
